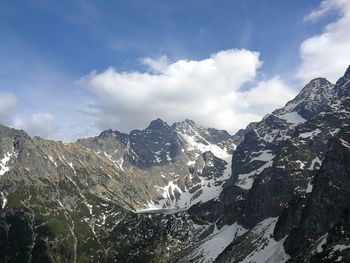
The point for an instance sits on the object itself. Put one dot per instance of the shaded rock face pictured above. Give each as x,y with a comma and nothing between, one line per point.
17,237
329,199
157,138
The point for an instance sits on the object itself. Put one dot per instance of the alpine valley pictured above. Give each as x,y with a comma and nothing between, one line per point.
277,191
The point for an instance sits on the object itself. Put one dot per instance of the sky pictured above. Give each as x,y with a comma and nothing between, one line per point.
70,69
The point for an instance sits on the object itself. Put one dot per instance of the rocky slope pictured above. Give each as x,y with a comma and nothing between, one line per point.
276,191
69,198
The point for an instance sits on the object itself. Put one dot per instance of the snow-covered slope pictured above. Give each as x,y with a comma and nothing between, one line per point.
257,246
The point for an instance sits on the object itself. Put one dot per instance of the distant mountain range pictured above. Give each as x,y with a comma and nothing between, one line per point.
276,191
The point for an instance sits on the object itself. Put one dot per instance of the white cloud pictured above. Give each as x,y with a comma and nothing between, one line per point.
38,124
328,54
207,91
8,105
268,95
157,65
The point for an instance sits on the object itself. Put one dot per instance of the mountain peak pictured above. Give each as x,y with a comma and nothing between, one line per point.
315,97
318,80
314,88
317,83
106,133
185,123
157,124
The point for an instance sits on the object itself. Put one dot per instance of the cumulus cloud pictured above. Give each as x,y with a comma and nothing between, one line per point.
38,124
327,54
157,65
8,105
267,95
208,91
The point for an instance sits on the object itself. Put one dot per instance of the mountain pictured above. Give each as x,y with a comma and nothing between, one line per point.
68,198
279,165
181,165
276,191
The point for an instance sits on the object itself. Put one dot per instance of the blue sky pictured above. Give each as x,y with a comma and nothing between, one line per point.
49,48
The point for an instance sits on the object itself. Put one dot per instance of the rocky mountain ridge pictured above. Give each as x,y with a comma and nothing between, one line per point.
76,193
294,145
276,191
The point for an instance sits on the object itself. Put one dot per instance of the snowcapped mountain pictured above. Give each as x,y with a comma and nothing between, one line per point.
182,164
75,193
276,191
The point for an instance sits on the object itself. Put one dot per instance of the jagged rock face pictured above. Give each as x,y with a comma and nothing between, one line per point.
17,238
278,158
155,145
155,237
173,161
329,199
317,226
238,137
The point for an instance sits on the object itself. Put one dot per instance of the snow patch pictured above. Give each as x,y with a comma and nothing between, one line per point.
309,187
345,143
210,189
269,137
71,166
301,164
117,164
267,250
217,242
59,202
292,104
265,156
322,240
52,160
292,118
194,142
4,168
245,181
89,207
334,132
310,134
4,200
189,163
315,161
168,158
341,247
